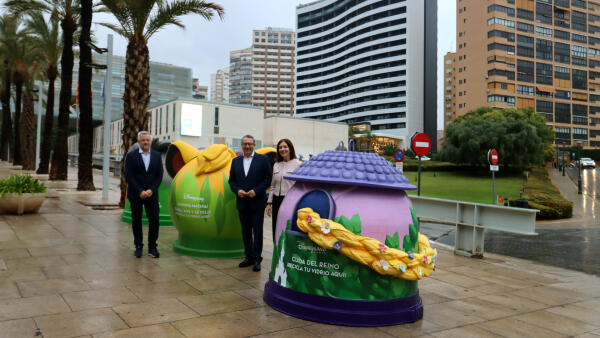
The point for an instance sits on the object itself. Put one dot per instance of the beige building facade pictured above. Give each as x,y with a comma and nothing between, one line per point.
219,85
449,88
543,54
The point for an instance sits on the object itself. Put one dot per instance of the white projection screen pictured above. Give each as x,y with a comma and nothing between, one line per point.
191,119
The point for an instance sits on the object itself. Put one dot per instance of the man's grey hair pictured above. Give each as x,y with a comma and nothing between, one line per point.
250,137
143,132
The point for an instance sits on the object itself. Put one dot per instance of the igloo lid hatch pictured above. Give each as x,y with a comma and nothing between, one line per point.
351,168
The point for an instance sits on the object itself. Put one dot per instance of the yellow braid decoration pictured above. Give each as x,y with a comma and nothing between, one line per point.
366,250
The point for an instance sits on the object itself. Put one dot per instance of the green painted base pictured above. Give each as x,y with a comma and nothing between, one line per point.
209,247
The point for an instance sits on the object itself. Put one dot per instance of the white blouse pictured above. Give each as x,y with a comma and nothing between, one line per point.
279,185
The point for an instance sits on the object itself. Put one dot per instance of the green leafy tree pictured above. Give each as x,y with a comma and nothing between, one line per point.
138,21
520,136
9,35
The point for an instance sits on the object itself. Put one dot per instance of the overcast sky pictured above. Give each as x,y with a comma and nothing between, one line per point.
204,45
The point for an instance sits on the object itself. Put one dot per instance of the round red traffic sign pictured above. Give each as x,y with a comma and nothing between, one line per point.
399,155
420,144
493,156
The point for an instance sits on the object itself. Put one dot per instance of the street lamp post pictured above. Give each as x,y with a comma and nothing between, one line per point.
564,166
39,128
107,108
579,190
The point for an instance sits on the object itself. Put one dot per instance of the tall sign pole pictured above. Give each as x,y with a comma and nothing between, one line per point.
39,127
493,160
107,113
421,146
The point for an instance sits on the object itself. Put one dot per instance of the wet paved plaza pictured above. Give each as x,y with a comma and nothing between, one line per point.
70,272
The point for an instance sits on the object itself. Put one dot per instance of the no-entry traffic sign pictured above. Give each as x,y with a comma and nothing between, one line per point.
420,144
399,155
493,157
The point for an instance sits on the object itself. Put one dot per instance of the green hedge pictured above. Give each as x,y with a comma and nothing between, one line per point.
544,196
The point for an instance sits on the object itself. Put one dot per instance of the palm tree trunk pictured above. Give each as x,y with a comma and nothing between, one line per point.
59,168
17,132
84,174
135,99
28,132
48,122
6,140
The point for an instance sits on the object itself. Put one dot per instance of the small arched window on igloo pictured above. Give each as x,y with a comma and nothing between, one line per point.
319,201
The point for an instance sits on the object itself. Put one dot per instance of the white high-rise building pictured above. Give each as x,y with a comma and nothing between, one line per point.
370,61
219,85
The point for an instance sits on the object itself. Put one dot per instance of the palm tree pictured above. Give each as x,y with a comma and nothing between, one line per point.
67,12
30,73
138,22
84,174
48,41
8,36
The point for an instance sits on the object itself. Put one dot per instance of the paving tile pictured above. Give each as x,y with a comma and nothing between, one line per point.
219,283
8,289
220,325
204,270
480,308
554,322
465,332
592,304
159,330
51,286
116,279
92,299
80,323
160,311
449,290
57,250
22,274
296,333
217,303
334,331
516,303
418,328
32,306
152,291
74,271
13,253
432,298
458,279
34,262
18,328
252,294
158,274
270,320
223,263
545,295
445,316
513,328
586,335
589,316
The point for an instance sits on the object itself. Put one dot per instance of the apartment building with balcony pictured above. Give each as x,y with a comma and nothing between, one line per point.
449,88
543,54
219,85
371,61
263,75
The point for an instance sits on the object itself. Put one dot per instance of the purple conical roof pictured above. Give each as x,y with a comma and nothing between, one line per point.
351,168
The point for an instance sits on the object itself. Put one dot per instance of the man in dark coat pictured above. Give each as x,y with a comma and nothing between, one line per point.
144,173
249,178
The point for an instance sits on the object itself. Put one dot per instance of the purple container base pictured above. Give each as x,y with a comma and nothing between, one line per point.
338,311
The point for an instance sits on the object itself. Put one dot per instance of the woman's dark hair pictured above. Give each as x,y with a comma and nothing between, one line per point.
278,157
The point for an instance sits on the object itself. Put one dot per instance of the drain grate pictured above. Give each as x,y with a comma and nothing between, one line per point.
105,207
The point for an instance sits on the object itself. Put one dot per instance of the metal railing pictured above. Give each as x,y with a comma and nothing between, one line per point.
472,219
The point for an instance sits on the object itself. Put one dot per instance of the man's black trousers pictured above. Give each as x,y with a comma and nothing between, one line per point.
252,233
152,210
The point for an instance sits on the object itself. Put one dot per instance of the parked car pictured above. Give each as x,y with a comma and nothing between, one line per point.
587,162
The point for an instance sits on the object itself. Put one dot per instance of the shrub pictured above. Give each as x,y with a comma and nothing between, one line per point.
21,184
544,196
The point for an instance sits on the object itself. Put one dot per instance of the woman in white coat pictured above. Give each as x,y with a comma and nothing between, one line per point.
285,163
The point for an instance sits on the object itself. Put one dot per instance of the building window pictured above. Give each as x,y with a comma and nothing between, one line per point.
173,117
562,53
543,73
543,50
579,21
500,98
524,46
579,54
499,46
543,13
524,71
524,14
500,21
580,134
543,31
579,79
579,38
524,27
562,73
563,133
562,94
498,8
543,107
500,72
502,34
562,112
525,90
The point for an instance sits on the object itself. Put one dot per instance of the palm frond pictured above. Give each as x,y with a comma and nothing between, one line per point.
169,13
117,29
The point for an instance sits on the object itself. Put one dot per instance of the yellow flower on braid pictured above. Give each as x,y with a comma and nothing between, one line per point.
366,250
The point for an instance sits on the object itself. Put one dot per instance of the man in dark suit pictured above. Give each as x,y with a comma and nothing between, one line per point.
144,173
249,178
